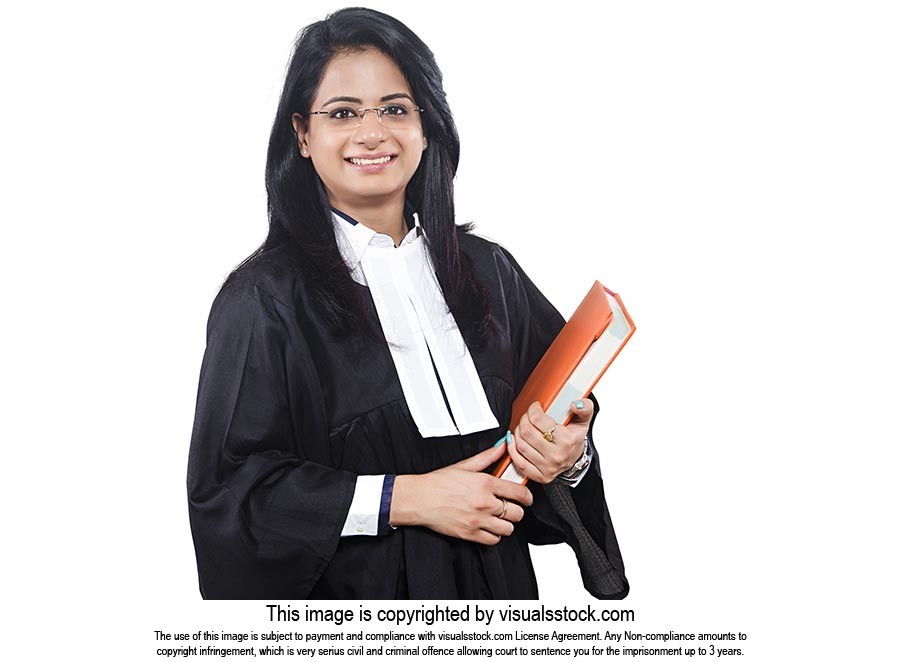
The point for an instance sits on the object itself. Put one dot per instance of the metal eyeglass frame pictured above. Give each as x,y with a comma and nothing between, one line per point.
362,114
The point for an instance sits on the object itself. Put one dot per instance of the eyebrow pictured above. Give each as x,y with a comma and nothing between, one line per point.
388,97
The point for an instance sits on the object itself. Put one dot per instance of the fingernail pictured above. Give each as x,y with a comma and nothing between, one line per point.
501,440
508,437
579,404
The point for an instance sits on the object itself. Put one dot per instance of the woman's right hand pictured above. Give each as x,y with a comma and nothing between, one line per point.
460,500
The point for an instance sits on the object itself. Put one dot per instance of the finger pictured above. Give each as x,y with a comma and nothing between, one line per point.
497,526
484,537
580,420
527,449
539,419
549,456
525,466
582,410
506,489
527,432
487,504
514,512
502,505
482,460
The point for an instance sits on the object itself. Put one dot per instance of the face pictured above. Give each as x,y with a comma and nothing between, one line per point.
370,164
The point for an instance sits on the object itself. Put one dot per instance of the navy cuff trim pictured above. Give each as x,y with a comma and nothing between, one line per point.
384,513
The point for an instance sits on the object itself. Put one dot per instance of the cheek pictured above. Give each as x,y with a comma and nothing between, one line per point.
326,145
414,150
326,155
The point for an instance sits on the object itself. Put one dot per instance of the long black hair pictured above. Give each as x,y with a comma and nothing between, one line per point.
299,215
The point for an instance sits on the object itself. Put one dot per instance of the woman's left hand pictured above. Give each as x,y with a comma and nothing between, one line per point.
541,460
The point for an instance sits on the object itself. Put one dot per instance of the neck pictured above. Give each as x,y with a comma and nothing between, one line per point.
385,218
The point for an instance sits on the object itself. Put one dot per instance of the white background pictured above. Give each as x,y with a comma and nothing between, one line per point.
731,169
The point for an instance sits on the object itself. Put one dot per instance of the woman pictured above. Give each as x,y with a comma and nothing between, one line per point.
361,365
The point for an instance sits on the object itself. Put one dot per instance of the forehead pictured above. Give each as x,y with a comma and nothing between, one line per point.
368,75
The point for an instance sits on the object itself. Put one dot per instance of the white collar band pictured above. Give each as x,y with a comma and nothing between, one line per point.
419,329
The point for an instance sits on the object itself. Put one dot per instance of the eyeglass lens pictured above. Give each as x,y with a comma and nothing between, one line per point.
395,115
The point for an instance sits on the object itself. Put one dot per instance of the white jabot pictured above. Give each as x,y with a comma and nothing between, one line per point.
419,329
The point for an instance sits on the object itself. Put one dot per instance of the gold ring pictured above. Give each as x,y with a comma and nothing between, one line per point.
549,435
505,506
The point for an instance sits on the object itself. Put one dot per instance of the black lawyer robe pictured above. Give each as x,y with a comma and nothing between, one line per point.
287,416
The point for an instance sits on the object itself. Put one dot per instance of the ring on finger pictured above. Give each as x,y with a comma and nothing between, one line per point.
505,506
549,434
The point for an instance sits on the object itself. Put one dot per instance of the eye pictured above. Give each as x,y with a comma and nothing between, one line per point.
343,114
395,110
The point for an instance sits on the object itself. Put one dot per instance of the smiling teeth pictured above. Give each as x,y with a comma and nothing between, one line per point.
383,159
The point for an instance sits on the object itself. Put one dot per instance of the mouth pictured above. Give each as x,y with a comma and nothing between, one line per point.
370,161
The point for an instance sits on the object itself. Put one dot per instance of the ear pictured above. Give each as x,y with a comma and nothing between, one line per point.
424,143
300,131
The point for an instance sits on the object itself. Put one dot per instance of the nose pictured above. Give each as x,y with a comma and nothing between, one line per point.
370,132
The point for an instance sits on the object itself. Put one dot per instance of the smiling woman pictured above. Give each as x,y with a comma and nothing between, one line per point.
362,363
365,156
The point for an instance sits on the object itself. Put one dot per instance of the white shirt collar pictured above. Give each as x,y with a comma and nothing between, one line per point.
354,240
357,238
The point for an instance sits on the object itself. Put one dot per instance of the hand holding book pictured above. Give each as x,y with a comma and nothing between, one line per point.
567,373
541,449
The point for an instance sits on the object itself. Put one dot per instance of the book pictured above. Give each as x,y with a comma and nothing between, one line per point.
574,363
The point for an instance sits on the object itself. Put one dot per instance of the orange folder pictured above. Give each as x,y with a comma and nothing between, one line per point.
574,363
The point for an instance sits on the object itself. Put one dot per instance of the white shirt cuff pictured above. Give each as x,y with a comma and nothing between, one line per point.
362,520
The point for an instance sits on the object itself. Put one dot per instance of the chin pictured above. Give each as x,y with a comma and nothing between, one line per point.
376,190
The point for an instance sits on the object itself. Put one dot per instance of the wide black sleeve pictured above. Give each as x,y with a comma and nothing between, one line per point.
579,515
266,510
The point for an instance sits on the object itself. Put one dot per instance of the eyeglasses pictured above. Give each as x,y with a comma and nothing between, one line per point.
393,116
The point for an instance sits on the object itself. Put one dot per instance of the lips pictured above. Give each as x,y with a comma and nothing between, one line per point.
371,163
371,159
